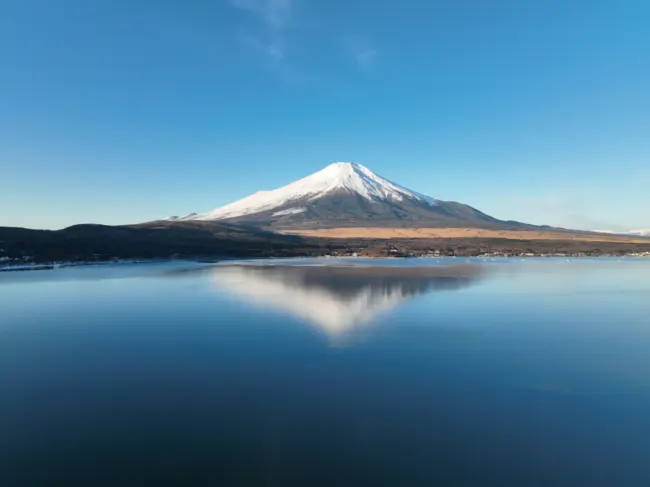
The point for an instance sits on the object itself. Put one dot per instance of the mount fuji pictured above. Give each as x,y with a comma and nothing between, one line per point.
346,194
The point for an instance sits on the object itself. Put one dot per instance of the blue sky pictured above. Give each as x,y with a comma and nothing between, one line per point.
127,111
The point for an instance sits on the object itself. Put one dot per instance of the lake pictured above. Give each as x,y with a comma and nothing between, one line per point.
327,372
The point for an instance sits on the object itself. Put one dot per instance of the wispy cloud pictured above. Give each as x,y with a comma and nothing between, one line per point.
272,48
363,54
273,17
366,57
268,28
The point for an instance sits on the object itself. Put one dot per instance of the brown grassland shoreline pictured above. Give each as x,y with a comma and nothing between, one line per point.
462,233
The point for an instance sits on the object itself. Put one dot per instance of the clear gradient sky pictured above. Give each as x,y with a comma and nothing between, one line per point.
124,111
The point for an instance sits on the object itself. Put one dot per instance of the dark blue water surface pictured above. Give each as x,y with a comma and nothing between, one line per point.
532,373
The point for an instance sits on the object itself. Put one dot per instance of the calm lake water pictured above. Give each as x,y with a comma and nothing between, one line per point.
507,373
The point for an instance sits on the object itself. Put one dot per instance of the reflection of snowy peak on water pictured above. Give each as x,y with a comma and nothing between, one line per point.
335,299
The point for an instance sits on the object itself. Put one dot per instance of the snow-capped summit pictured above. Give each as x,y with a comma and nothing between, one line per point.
345,194
339,176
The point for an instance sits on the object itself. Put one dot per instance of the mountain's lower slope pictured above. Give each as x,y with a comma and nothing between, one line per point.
348,195
343,208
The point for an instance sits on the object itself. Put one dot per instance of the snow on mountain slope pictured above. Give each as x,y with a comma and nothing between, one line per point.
289,211
339,176
189,216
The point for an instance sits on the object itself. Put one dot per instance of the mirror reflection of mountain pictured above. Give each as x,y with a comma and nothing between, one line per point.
337,299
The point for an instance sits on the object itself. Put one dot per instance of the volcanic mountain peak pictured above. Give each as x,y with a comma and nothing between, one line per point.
340,176
347,194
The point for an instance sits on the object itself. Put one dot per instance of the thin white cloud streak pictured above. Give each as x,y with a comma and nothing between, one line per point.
273,48
360,51
274,15
366,57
